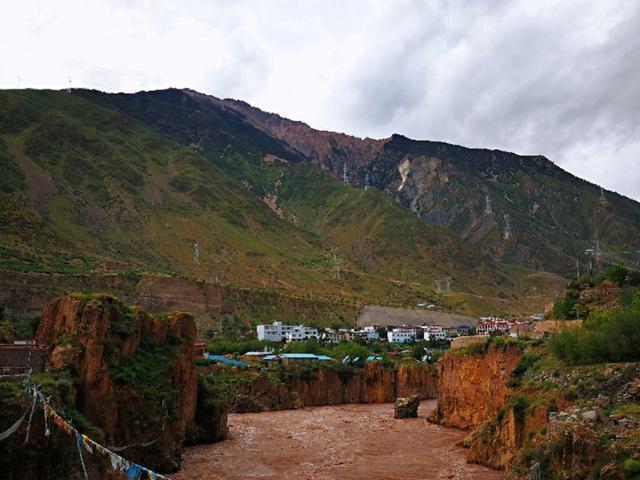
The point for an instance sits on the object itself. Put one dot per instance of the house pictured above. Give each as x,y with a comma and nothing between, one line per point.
20,358
301,332
369,333
492,324
290,359
278,332
336,336
434,333
401,335
461,329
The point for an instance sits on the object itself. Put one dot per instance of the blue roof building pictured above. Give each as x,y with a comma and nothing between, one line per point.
296,358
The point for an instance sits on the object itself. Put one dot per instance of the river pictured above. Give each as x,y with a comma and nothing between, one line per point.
342,442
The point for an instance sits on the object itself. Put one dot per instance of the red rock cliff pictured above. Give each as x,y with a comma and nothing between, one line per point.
471,388
328,386
136,378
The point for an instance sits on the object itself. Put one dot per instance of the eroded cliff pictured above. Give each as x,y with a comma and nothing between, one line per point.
283,389
526,409
135,372
472,384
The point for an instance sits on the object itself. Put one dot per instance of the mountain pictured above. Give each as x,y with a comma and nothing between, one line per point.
519,209
523,210
94,183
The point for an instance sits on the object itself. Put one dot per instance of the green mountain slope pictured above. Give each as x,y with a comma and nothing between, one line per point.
519,209
369,230
87,187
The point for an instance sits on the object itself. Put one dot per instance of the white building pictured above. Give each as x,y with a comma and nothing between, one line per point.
485,327
370,333
434,332
301,332
277,332
401,335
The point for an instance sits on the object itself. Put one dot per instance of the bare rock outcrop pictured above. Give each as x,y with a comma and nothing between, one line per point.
406,407
135,375
471,388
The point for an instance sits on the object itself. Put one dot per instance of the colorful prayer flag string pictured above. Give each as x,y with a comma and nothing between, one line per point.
129,469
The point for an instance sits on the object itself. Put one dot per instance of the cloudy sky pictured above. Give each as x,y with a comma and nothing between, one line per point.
558,78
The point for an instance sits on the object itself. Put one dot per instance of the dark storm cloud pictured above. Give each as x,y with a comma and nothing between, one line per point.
563,82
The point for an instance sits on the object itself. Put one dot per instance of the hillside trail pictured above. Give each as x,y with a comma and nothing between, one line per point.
345,442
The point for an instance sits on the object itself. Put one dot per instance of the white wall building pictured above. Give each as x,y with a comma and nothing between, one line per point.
301,332
370,333
434,332
277,332
488,326
401,335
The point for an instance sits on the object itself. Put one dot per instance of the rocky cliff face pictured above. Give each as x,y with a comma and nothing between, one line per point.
495,445
329,386
472,387
523,407
135,373
522,209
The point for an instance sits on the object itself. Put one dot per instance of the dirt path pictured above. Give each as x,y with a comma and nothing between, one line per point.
344,442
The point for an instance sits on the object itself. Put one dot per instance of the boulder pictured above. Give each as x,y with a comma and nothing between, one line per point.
407,407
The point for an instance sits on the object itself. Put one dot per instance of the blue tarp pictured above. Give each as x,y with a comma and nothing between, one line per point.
309,356
228,361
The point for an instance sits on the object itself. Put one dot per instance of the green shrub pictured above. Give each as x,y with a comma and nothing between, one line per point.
611,336
631,467
223,347
519,403
525,363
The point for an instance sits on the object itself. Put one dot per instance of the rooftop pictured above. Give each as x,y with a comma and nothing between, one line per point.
310,356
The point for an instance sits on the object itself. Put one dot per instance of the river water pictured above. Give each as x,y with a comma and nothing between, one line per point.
342,442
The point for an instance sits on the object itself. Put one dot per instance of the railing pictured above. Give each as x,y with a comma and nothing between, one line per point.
536,474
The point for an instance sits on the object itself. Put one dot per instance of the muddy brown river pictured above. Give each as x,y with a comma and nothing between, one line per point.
343,442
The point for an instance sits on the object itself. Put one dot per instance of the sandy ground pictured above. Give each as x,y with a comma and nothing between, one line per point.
346,442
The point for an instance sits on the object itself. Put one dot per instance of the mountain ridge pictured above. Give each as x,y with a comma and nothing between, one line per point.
132,190
519,209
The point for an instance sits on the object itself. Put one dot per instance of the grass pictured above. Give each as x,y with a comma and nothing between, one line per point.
630,409
127,197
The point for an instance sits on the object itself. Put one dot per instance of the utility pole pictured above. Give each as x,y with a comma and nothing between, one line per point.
336,264
487,205
196,253
507,226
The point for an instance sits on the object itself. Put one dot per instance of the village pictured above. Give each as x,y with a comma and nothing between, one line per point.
381,334
279,332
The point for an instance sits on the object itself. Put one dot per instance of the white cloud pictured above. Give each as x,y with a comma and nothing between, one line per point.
550,77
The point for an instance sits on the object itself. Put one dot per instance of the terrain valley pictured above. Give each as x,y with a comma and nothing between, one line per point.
192,287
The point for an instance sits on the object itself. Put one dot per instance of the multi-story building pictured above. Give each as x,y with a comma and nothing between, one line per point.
401,335
370,333
493,325
301,332
278,332
434,332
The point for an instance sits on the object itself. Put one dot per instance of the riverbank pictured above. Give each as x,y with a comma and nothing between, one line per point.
347,442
